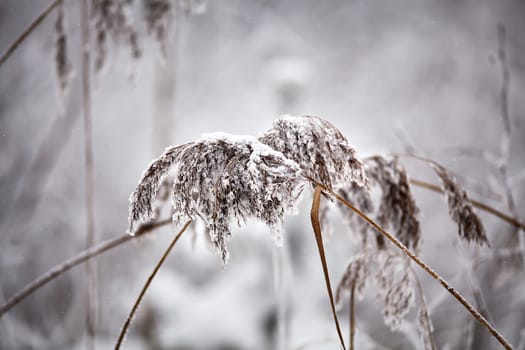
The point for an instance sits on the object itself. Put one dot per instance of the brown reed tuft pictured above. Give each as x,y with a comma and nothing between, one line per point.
222,179
62,61
112,20
470,227
361,198
158,17
395,288
397,209
319,148
356,275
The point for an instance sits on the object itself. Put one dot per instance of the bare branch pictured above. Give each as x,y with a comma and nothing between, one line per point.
78,259
32,26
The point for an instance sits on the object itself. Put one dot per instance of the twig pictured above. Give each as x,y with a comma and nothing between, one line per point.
145,287
352,316
88,158
314,216
58,270
23,36
480,205
427,269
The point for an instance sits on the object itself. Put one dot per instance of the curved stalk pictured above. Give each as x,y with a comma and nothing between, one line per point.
78,259
146,286
30,28
425,267
479,205
314,215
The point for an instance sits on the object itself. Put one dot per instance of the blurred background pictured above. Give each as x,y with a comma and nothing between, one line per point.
440,78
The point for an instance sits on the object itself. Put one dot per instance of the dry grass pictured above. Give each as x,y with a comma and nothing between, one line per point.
224,180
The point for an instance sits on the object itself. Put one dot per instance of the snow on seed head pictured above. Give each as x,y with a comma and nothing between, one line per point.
141,208
221,179
320,149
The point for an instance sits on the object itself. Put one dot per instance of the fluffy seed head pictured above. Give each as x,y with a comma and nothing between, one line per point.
157,15
397,209
460,209
223,179
360,198
62,62
113,21
395,287
320,150
357,273
141,209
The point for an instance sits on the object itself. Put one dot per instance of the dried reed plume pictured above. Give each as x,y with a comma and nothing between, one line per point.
62,61
391,272
361,198
321,151
395,287
460,208
356,275
397,209
158,17
222,178
112,20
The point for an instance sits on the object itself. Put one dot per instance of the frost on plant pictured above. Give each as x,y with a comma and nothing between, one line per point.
460,210
397,208
322,152
142,200
395,287
357,274
222,178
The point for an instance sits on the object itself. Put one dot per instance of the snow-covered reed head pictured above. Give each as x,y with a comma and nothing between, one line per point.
222,178
319,148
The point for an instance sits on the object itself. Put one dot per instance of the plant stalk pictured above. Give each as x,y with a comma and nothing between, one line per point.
146,286
427,269
29,29
314,215
78,259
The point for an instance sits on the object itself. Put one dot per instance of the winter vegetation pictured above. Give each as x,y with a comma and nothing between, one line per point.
321,175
